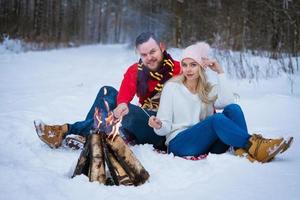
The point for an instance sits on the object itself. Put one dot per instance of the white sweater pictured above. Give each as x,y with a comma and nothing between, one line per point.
180,109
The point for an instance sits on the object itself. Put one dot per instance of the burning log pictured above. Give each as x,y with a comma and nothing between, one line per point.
106,155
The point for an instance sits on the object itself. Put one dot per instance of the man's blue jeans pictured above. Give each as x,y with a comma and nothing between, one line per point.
215,132
135,123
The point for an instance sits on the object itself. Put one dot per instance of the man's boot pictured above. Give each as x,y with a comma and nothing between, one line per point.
51,135
264,150
75,141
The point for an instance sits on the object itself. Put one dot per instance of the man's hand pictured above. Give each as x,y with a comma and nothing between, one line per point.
154,122
121,110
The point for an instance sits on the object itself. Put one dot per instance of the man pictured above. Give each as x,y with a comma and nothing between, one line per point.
144,79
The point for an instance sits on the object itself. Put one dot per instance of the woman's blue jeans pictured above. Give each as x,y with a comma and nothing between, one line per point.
214,134
134,124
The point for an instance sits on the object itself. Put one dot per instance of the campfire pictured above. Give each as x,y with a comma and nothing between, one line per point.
106,158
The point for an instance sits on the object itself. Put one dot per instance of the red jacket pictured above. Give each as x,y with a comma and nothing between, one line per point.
128,86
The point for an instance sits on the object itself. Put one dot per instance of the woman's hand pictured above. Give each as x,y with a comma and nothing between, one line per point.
154,122
212,64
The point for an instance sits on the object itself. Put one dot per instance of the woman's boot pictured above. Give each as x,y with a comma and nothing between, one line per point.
264,150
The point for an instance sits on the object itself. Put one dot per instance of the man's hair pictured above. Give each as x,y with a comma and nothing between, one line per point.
144,37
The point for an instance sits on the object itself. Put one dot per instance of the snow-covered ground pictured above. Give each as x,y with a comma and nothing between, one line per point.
59,86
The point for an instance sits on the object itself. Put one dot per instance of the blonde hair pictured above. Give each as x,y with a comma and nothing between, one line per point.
203,89
203,86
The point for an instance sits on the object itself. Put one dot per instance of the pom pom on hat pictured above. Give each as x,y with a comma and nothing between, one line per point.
196,51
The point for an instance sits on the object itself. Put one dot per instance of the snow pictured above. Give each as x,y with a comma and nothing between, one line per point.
11,45
59,86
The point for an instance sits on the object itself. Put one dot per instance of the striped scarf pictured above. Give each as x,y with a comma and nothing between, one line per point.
164,73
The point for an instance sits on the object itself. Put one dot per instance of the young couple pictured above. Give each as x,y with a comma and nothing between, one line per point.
181,103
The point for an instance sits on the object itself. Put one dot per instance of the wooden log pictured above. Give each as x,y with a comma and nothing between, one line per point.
108,163
113,154
128,161
97,165
82,166
121,174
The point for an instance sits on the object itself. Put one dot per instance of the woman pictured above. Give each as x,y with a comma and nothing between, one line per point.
186,114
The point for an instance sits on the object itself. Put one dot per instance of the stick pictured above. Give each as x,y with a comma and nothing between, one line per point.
145,111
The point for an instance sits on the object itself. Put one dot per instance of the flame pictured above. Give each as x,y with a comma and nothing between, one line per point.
109,119
98,118
106,106
115,123
112,124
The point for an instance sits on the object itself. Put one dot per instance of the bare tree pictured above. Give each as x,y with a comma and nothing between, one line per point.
256,25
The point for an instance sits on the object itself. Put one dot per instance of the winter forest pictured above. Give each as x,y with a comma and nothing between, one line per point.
262,25
55,55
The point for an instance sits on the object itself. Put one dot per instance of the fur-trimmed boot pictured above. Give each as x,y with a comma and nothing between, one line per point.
51,135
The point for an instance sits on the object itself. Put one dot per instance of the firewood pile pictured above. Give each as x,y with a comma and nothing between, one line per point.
106,158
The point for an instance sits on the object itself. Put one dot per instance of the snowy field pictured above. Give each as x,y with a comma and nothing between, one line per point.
59,86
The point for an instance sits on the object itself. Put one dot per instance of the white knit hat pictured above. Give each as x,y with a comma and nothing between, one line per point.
196,51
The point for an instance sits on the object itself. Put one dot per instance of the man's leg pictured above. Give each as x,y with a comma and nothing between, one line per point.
136,123
107,93
53,135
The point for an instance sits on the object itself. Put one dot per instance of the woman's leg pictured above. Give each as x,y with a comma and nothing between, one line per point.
83,128
234,113
199,138
218,147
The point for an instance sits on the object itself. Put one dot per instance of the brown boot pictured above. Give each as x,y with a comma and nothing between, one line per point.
264,150
287,143
51,135
243,153
75,141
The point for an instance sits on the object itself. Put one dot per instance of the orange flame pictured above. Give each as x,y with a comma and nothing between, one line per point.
110,121
115,123
98,117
